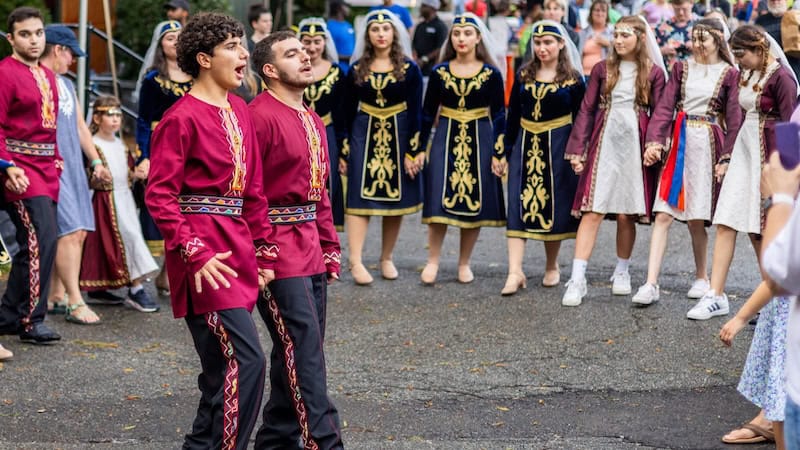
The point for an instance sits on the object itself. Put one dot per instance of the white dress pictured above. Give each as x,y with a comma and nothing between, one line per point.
137,256
698,173
619,186
739,204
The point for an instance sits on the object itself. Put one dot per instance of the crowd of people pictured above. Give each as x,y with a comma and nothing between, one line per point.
252,152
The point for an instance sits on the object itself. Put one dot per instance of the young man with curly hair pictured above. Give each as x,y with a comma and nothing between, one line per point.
205,195
294,149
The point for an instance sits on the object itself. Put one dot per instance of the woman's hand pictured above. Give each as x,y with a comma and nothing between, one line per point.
731,329
499,167
577,166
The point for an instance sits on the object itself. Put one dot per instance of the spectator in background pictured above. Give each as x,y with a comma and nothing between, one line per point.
657,11
556,10
503,27
771,23
477,7
400,11
177,10
674,35
342,32
595,39
429,35
260,19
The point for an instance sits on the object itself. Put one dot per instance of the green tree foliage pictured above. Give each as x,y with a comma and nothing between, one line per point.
6,6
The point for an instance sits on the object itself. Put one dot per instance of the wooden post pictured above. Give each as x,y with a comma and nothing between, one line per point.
289,13
112,61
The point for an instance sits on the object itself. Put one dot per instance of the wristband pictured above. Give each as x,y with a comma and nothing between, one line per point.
778,198
96,162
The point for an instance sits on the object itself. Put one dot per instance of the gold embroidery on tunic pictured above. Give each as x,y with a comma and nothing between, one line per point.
378,82
540,91
177,89
316,160
233,134
381,166
534,195
48,105
314,92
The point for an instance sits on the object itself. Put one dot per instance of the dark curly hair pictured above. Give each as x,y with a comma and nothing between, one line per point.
204,32
263,54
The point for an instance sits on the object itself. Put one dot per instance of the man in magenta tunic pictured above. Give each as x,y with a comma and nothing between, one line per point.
205,195
32,165
294,149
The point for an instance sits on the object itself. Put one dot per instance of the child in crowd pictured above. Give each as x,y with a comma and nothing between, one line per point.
116,254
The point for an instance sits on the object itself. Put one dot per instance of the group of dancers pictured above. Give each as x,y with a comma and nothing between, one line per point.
635,141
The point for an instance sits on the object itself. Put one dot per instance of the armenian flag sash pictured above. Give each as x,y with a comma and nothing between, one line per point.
671,190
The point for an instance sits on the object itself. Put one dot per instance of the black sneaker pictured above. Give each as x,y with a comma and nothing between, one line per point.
39,333
104,298
142,302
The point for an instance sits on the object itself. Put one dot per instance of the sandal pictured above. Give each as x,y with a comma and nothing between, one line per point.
57,307
80,318
759,435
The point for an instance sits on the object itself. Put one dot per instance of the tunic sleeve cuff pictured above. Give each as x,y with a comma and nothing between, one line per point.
572,157
195,254
266,254
332,259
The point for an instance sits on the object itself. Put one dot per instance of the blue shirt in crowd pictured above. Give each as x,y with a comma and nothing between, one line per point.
344,37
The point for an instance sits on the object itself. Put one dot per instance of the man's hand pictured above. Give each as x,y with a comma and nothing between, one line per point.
265,276
332,277
213,272
17,181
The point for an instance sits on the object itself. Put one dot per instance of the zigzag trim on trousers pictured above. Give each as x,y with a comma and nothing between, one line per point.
33,261
230,387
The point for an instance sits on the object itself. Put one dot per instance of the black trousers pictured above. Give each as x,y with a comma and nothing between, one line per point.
299,413
25,300
232,381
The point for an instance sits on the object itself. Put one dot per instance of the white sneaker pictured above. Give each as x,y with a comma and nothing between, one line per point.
576,290
709,306
621,283
698,289
646,295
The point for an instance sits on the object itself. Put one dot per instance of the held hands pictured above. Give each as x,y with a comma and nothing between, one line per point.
102,173
17,181
668,50
720,170
775,179
342,167
652,155
142,170
731,329
265,276
577,166
499,167
414,165
213,272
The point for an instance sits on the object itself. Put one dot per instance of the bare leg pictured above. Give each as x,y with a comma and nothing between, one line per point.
761,421
697,229
724,246
626,235
777,429
469,236
162,282
551,272
356,234
516,278
390,231
658,245
436,233
68,267
755,240
587,235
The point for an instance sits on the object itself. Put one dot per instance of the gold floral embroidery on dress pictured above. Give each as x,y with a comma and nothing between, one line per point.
233,134
382,167
378,82
314,92
499,148
48,105
462,87
316,159
177,89
534,196
413,144
540,91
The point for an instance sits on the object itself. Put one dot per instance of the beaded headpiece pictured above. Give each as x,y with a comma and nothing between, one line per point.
170,26
378,16
465,21
547,30
313,28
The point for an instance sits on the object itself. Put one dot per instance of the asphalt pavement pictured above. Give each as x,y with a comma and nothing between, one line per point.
450,366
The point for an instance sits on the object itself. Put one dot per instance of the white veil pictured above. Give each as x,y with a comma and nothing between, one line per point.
486,38
400,33
330,47
777,53
572,51
150,56
653,50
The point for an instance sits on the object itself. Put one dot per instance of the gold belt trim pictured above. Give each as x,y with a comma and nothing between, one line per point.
382,113
541,127
327,119
464,115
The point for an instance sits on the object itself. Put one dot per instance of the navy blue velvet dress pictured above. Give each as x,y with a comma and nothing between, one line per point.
460,188
384,115
325,97
541,183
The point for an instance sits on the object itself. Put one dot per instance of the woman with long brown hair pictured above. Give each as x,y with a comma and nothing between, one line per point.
383,157
704,91
606,149
466,90
547,94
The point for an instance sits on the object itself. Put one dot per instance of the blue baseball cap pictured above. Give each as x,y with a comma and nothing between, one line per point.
62,35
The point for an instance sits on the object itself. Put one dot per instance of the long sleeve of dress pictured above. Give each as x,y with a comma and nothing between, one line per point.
144,122
733,111
433,99
497,109
164,186
784,91
584,122
512,122
660,126
414,83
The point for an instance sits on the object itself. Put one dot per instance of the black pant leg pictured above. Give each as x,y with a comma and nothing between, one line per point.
294,314
232,381
25,299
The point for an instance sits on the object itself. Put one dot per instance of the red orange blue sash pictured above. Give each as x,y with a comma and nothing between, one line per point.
671,190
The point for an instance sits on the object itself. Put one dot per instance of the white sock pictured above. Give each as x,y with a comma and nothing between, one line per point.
579,269
622,265
136,289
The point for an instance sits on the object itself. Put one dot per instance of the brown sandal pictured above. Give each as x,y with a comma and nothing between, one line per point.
761,435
